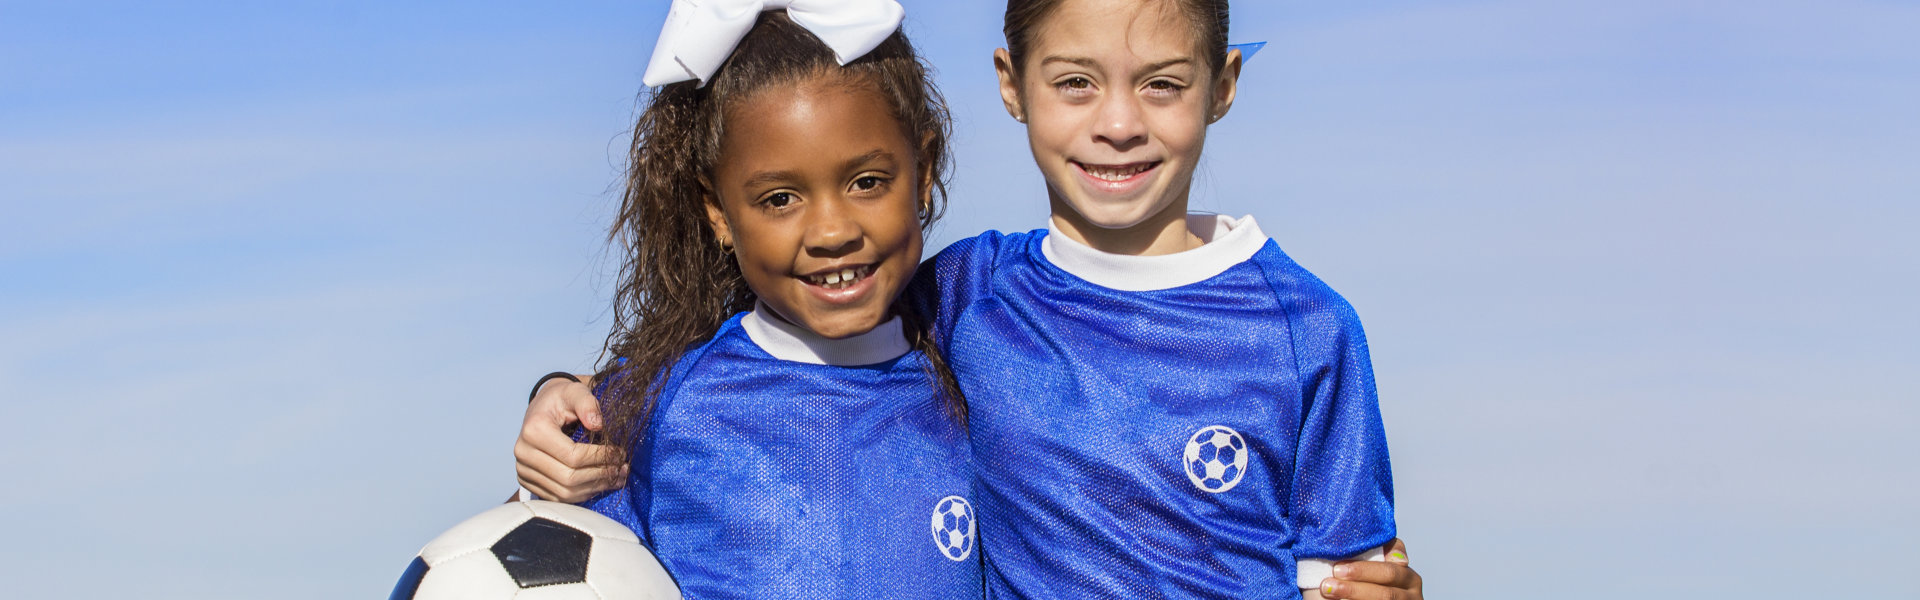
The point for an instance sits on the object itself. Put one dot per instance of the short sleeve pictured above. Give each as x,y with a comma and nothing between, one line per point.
1340,504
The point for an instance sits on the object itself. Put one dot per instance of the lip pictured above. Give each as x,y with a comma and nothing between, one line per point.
840,296
1145,171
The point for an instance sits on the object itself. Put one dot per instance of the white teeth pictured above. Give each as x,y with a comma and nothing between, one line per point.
841,279
1113,173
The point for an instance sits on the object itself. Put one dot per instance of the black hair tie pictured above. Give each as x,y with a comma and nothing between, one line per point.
549,377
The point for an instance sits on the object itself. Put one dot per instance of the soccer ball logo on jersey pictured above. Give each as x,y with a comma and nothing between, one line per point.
1216,458
953,527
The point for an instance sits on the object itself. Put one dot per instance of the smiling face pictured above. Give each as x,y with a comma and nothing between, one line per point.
819,191
1117,98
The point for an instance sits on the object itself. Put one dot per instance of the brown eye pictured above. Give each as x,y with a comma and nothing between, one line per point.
778,200
1076,83
869,183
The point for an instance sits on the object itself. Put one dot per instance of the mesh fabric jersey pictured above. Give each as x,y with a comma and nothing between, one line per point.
1167,441
768,478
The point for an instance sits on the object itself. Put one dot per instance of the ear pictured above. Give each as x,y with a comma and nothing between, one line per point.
1009,84
926,175
717,219
1226,85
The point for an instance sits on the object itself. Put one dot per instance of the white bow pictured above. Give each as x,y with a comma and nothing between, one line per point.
700,34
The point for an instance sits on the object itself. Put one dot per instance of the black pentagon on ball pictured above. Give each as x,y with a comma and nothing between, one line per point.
542,552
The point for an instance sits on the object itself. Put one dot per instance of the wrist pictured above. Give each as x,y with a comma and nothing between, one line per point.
548,378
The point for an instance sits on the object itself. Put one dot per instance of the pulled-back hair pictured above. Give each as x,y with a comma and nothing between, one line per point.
677,286
1208,17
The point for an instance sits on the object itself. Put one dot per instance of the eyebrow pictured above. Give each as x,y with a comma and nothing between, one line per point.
772,177
1090,64
871,156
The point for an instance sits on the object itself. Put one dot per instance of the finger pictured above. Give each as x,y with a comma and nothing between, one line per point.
1351,590
574,466
581,403
547,477
548,436
562,460
584,456
1379,573
541,486
581,484
577,486
1397,551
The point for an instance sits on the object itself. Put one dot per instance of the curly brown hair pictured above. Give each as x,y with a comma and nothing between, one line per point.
677,286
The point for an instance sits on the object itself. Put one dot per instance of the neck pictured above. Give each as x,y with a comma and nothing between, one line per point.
785,340
1163,233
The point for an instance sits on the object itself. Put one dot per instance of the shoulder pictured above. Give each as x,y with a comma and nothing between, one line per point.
1306,298
965,269
984,250
726,342
730,334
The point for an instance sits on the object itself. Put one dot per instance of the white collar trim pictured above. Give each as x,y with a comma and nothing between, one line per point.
787,341
1226,242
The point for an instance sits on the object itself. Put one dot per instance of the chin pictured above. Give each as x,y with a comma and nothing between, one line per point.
845,325
1114,214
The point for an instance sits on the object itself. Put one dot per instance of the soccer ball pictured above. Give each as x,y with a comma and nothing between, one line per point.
536,549
953,527
1216,458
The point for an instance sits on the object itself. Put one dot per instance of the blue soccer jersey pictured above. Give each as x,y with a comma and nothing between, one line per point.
1196,425
771,471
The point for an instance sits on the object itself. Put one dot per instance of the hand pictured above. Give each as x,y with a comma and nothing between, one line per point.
1370,580
549,462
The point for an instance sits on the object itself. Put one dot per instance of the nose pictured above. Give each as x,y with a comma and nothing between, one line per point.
1120,121
831,228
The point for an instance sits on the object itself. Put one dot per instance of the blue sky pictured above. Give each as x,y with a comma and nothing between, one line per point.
1637,275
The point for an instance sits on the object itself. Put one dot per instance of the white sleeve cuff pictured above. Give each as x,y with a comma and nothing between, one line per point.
526,495
1310,571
